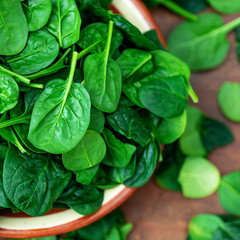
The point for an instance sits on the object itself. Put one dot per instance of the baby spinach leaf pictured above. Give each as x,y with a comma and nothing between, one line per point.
168,171
130,31
86,176
131,60
229,193
57,66
4,201
61,115
146,163
37,13
229,100
118,154
168,130
204,226
153,36
127,122
97,120
215,134
82,199
9,135
227,7
122,174
202,44
198,177
193,6
103,78
65,22
98,32
33,182
164,97
41,50
9,93
86,154
13,27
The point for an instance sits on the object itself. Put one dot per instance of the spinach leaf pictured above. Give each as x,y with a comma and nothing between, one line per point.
41,50
86,154
98,32
204,226
57,66
146,163
65,22
103,78
82,199
33,182
131,60
127,122
130,31
227,7
4,201
37,13
118,154
97,120
9,135
61,115
202,44
86,176
168,171
168,130
198,177
9,93
173,7
215,134
13,27
229,100
229,194
153,36
164,97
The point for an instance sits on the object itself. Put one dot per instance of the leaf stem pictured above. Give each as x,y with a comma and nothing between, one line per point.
72,68
231,25
192,94
88,49
13,74
179,10
109,39
18,120
35,85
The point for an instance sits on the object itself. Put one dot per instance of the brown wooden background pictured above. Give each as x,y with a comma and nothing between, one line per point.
158,214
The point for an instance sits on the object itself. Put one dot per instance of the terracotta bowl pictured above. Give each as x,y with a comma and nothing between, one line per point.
61,221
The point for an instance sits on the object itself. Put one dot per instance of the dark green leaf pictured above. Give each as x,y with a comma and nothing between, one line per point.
97,120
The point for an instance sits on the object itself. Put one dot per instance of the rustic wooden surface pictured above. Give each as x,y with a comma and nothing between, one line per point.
158,214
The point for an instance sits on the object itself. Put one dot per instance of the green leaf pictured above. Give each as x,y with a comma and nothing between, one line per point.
229,193
86,176
103,78
227,7
202,44
204,226
13,27
146,163
198,177
86,154
41,50
97,120
96,32
238,43
33,182
61,115
229,100
65,22
166,97
9,93
118,154
215,134
127,122
37,13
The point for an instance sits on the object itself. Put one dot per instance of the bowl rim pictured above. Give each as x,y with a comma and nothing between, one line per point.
111,205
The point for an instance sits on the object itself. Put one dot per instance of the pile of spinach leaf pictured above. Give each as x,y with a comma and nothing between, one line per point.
86,100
